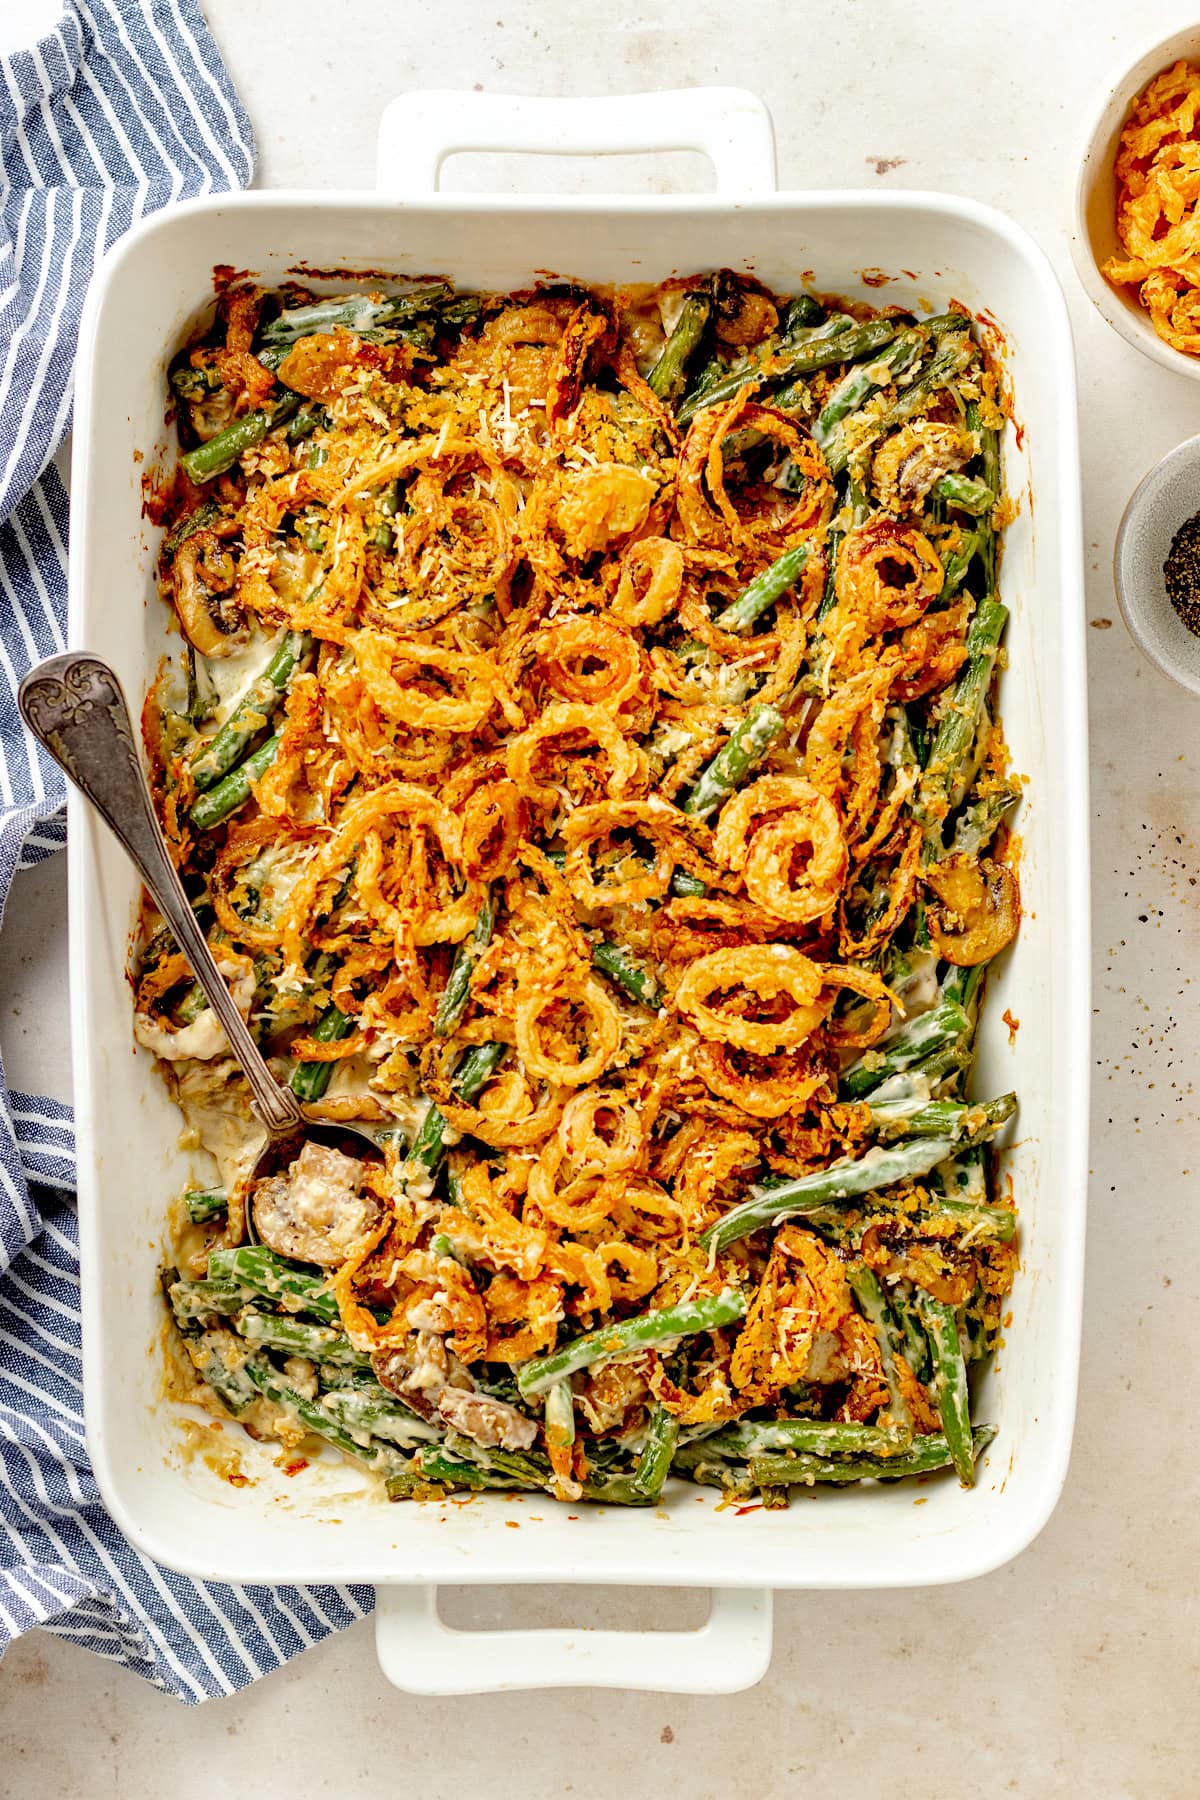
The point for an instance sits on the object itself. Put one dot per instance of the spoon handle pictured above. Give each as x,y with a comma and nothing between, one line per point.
73,704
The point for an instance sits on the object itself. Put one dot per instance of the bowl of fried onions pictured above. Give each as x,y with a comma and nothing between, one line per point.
1136,229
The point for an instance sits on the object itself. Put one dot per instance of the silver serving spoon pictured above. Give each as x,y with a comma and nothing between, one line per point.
73,704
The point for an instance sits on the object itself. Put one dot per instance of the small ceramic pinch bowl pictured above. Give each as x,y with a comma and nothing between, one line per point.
1158,506
1094,225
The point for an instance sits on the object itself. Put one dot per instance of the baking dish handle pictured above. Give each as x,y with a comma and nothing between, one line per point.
420,1654
730,126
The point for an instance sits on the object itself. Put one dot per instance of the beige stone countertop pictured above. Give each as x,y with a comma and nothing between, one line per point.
1074,1670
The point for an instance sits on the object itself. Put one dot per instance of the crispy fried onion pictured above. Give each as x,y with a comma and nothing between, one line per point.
589,660
766,1087
1158,190
554,1029
401,676
768,974
886,576
755,515
604,867
802,1326
494,822
565,733
601,1130
459,536
425,1292
900,886
528,1111
796,862
357,844
650,582
601,508
842,758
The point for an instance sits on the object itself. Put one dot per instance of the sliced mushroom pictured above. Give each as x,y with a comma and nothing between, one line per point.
202,575
492,1424
430,1380
908,463
745,311
315,1212
978,912
417,1373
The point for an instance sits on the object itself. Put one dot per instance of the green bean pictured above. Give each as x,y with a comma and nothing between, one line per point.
476,1068
457,991
819,1437
956,733
857,502
443,1245
873,1305
916,1344
949,1382
190,383
950,361
194,1002
942,1118
624,1338
920,1037
204,1204
311,1079
234,790
306,421
662,1436
989,452
978,823
764,590
667,377
251,714
376,1414
879,1168
804,353
294,1337
695,1462
230,1381
966,492
355,312
748,743
686,886
800,314
191,1300
614,961
313,1416
957,559
383,535
855,388
261,1271
977,1222
560,1416
209,460
465,1465
198,520
926,1455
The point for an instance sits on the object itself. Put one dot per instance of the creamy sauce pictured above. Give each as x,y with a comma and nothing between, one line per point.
231,675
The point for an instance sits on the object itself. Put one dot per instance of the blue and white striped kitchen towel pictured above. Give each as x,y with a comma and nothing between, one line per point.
125,107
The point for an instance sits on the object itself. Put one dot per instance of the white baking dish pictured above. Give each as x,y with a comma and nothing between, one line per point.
310,1528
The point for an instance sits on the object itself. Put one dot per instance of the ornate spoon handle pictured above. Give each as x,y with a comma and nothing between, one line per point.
73,704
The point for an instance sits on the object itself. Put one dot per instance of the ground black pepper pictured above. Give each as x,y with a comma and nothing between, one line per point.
1182,573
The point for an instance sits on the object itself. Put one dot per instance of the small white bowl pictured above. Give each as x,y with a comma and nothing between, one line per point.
1094,229
1158,506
